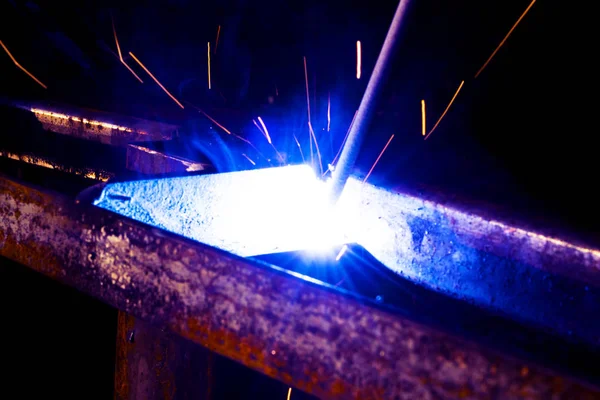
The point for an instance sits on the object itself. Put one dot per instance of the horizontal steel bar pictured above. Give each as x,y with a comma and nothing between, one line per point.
90,173
287,326
96,125
466,253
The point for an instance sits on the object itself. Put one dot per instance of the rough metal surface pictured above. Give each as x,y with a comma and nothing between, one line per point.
286,326
531,277
90,173
97,125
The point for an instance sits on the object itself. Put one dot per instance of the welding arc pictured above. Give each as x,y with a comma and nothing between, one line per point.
367,105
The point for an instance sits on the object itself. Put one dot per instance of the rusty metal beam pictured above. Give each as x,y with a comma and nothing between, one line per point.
104,127
90,173
469,254
287,326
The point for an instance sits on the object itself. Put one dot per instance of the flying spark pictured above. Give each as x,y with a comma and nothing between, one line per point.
259,128
156,80
307,94
214,121
328,111
289,395
376,161
358,59
423,123
21,67
313,137
341,253
254,147
217,40
505,38
446,110
299,148
308,110
121,56
249,159
209,86
266,132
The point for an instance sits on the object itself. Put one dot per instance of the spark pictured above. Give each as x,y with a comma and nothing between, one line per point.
249,159
423,124
121,56
358,59
266,132
307,94
116,40
505,38
217,40
259,128
289,395
446,110
209,86
308,108
376,161
83,120
21,67
214,121
328,111
341,253
313,137
299,148
156,80
254,147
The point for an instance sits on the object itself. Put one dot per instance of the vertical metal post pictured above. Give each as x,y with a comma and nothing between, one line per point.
153,364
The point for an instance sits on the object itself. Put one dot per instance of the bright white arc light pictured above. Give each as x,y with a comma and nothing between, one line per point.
251,213
282,209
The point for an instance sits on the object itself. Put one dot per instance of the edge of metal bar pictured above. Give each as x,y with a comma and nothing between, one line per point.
285,326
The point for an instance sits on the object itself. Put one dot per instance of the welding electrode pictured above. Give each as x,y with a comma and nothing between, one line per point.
365,110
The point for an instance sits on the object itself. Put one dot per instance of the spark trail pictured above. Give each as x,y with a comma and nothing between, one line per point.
21,67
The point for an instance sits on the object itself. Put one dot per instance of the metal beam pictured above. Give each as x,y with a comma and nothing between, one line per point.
284,325
467,253
153,363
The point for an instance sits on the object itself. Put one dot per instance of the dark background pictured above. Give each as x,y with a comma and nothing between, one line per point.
514,136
